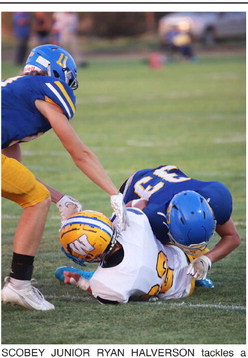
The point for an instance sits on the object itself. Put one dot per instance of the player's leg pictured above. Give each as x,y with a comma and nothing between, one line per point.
20,186
30,228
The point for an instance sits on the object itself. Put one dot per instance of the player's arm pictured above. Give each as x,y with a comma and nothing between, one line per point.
72,278
228,242
230,239
83,157
137,203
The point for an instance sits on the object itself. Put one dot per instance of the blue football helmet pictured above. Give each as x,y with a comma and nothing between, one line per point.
56,61
190,220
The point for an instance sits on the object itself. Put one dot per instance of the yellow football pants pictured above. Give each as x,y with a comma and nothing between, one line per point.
20,185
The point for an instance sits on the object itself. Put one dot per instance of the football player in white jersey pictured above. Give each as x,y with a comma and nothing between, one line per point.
133,263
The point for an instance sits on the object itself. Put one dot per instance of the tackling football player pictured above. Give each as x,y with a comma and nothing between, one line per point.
186,212
32,103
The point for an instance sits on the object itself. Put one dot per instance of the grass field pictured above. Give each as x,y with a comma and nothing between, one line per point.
133,117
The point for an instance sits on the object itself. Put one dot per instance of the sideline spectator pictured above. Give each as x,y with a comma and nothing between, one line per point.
22,30
42,27
183,42
65,34
179,43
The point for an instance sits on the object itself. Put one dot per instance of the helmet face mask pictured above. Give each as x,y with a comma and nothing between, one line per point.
88,236
56,61
70,79
190,220
193,249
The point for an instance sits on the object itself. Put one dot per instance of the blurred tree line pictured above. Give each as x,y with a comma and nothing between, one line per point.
114,24
106,24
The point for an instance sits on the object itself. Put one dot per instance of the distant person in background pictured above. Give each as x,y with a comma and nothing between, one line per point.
179,43
65,34
183,42
22,30
169,45
42,27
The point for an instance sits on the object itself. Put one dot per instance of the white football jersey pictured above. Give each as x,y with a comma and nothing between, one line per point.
148,268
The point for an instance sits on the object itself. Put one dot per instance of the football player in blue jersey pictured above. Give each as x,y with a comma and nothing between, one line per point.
34,102
185,212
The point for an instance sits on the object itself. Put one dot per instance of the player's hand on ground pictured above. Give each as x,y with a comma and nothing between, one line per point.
68,206
120,210
73,278
199,267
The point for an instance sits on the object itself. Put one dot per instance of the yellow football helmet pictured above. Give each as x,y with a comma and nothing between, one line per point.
87,236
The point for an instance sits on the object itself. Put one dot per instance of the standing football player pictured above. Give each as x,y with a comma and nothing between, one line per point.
32,103
186,212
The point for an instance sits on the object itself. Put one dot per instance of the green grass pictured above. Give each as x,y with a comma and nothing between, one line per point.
133,117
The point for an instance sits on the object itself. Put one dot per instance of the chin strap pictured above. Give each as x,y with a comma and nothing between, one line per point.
77,260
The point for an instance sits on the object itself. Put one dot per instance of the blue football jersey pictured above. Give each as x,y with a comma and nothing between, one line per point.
21,121
160,184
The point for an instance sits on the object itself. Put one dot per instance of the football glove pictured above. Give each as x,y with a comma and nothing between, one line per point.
120,210
199,267
68,206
